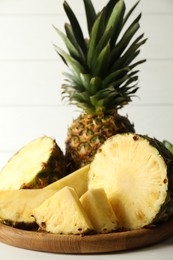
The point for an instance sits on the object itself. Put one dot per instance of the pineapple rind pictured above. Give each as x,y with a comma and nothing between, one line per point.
167,208
136,178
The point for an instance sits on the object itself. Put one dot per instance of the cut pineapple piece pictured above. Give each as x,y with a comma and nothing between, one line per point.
16,206
36,165
63,213
99,210
77,180
136,173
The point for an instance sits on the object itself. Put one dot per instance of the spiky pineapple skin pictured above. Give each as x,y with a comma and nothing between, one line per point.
167,208
88,132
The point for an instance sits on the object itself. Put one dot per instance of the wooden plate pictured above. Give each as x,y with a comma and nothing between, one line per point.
101,243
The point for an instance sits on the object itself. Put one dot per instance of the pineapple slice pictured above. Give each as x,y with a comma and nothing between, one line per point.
63,213
136,173
36,165
16,206
77,180
99,210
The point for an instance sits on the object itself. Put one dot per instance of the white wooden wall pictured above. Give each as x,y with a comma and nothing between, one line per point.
31,72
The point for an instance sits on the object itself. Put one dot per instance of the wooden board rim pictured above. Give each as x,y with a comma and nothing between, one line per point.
75,244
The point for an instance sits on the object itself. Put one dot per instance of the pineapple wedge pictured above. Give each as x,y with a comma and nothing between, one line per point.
63,213
99,210
16,206
136,172
36,165
77,180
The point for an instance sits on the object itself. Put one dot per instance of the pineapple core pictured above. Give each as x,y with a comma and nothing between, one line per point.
99,210
63,213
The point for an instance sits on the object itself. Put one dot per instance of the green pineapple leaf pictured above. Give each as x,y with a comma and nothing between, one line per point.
81,100
96,33
105,93
76,87
111,27
120,81
109,7
101,75
126,38
81,97
72,78
73,64
129,55
137,63
96,103
101,67
115,19
104,40
87,107
75,27
90,14
85,79
130,12
95,85
114,76
71,48
129,90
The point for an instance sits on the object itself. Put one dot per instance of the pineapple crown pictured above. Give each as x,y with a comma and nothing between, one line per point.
101,73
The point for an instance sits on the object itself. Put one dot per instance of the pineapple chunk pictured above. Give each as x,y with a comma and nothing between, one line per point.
16,206
136,173
99,210
63,213
36,165
77,180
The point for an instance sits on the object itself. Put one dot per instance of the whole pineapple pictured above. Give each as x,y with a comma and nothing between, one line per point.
101,77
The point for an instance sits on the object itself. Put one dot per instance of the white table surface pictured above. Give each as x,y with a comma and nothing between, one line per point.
156,252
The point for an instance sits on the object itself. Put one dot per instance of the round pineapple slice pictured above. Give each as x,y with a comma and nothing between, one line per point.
36,165
136,175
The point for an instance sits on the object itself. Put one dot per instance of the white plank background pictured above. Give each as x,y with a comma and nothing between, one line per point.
31,72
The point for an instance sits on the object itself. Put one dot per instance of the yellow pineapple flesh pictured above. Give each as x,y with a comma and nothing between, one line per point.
77,180
63,213
16,206
99,210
